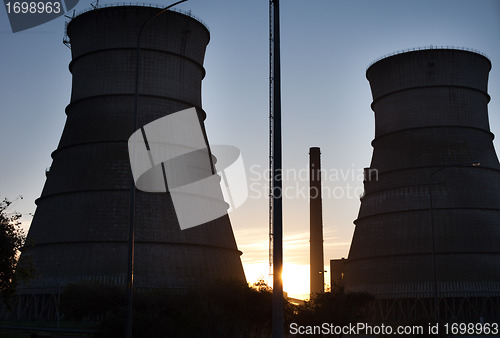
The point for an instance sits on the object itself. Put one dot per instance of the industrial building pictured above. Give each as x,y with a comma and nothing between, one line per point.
426,242
80,228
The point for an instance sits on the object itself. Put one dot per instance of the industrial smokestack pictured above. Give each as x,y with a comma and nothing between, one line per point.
316,223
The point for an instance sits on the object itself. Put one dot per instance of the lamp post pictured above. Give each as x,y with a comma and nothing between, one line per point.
131,234
433,253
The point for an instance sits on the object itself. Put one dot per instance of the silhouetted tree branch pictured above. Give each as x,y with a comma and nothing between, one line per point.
12,240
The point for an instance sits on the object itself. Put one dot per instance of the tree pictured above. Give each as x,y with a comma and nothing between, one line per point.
12,239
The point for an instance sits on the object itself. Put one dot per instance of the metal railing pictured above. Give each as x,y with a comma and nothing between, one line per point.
427,48
74,14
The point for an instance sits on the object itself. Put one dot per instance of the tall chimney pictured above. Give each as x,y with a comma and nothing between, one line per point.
316,223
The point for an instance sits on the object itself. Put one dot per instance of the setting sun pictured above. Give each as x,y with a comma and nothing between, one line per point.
296,280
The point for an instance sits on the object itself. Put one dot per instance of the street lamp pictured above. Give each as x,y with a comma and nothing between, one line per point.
131,234
456,165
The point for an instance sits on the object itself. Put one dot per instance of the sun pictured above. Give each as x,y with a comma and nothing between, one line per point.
296,280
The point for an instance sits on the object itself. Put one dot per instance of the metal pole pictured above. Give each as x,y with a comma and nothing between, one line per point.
433,248
131,233
278,316
433,254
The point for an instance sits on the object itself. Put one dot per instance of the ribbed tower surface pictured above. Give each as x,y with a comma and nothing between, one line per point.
80,229
429,218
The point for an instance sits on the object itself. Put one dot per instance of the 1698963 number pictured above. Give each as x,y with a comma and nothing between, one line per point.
471,328
26,7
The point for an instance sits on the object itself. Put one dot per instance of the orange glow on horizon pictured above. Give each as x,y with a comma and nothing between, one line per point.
295,278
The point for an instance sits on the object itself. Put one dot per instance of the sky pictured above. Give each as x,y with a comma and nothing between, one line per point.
326,46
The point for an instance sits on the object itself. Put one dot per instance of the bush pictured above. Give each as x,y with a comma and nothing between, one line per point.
226,309
337,307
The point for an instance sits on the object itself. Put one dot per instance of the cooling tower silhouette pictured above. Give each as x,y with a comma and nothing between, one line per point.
80,228
429,223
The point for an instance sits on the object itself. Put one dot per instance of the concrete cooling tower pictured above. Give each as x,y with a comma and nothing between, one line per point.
427,236
80,228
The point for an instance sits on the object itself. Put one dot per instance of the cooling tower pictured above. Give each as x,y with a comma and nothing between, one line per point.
429,222
80,229
317,268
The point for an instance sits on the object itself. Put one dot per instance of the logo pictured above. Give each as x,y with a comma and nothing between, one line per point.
170,155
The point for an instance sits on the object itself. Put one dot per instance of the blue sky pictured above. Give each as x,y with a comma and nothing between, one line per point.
326,47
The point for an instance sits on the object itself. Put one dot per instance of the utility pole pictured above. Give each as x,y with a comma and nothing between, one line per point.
276,161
